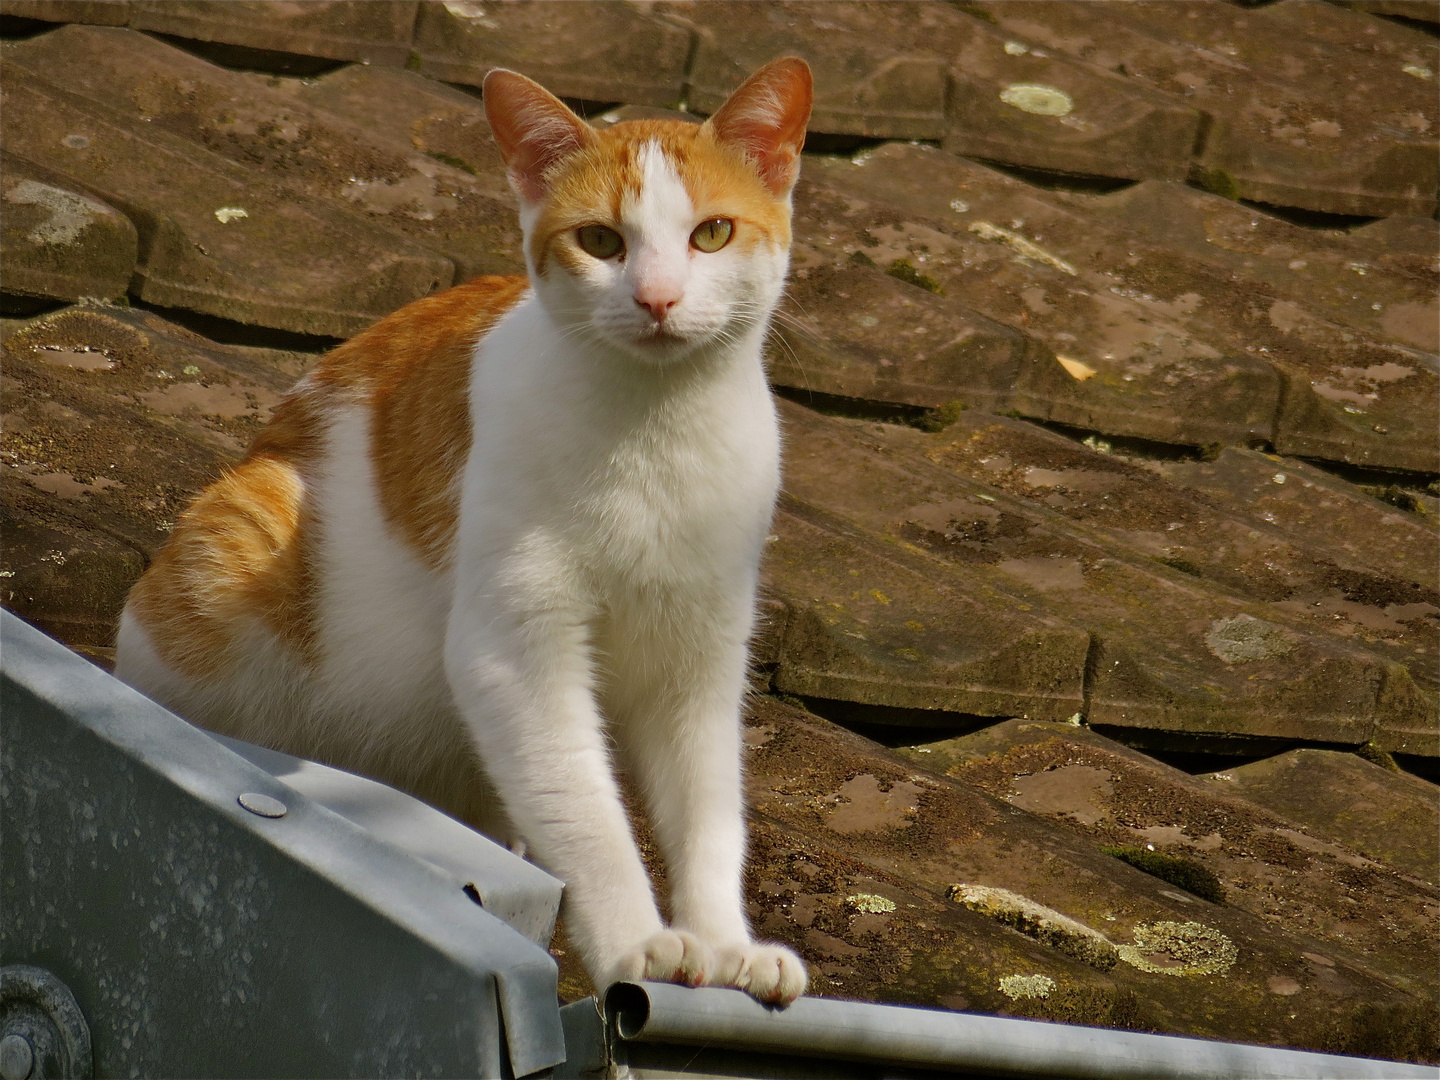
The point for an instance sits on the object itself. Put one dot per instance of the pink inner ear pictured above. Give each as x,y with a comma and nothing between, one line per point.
766,119
534,130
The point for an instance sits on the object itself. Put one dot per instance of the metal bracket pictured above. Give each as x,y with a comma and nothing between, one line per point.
43,1034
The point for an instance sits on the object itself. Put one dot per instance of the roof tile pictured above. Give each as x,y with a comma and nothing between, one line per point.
58,241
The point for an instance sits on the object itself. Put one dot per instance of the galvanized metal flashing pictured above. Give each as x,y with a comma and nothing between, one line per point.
202,939
511,889
811,1036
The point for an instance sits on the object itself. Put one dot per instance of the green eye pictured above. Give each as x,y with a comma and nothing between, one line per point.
712,235
600,241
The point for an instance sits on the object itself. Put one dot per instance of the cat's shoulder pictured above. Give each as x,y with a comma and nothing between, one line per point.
437,330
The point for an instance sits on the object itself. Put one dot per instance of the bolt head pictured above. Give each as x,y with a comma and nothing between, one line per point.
263,805
17,1059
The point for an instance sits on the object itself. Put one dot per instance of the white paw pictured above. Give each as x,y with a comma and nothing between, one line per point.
770,973
669,956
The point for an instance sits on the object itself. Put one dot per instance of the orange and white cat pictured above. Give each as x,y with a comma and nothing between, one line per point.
517,525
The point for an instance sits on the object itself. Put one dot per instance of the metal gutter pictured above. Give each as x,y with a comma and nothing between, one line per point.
822,1032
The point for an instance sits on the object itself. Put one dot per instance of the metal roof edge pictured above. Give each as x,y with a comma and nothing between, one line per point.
896,1036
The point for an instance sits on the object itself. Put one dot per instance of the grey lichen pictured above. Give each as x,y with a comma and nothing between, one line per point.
1044,924
70,214
1245,637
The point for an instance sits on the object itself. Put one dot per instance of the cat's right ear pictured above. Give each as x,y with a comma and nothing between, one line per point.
534,129
766,119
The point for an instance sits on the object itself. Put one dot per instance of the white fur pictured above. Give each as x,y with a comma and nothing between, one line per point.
598,602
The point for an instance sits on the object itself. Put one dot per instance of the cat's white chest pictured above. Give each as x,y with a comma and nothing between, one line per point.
684,503
652,479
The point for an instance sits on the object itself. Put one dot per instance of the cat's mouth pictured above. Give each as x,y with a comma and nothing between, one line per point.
658,334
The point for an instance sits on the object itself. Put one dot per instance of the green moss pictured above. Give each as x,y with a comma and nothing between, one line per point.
1184,566
1218,182
1211,451
452,161
975,11
1405,1031
1372,753
938,419
1176,869
412,62
1395,495
859,258
902,269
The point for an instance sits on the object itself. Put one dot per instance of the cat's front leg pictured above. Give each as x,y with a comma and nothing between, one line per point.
523,683
682,737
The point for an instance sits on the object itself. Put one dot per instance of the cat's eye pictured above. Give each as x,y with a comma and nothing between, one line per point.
712,235
600,241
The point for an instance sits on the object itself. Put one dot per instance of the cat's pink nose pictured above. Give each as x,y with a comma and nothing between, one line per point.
657,302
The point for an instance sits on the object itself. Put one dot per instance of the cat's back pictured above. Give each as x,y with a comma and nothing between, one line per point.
405,381
362,454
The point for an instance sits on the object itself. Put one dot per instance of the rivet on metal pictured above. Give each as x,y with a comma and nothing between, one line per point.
263,805
17,1059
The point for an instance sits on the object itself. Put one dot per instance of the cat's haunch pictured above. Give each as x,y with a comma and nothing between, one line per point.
513,531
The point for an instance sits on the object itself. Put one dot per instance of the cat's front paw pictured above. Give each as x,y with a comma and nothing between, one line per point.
669,956
767,972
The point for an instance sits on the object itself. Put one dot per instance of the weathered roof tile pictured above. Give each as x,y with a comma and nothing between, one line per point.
1213,532
1317,511
1017,102
841,335
1168,652
1340,912
217,238
600,51
1283,127
339,161
1129,366
371,31
870,623
869,78
1181,317
824,796
114,420
95,12
58,242
401,107
1385,815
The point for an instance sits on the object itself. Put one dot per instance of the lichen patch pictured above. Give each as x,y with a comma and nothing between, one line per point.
1044,924
1171,948
1016,987
1245,637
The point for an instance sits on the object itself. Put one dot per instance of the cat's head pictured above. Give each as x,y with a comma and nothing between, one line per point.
659,238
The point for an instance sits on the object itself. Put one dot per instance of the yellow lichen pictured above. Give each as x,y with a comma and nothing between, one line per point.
1171,948
1026,986
871,904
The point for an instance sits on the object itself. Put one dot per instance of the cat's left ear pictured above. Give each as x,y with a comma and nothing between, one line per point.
766,117
534,129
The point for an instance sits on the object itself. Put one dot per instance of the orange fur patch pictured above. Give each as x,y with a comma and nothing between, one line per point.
237,555
242,552
720,180
413,369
